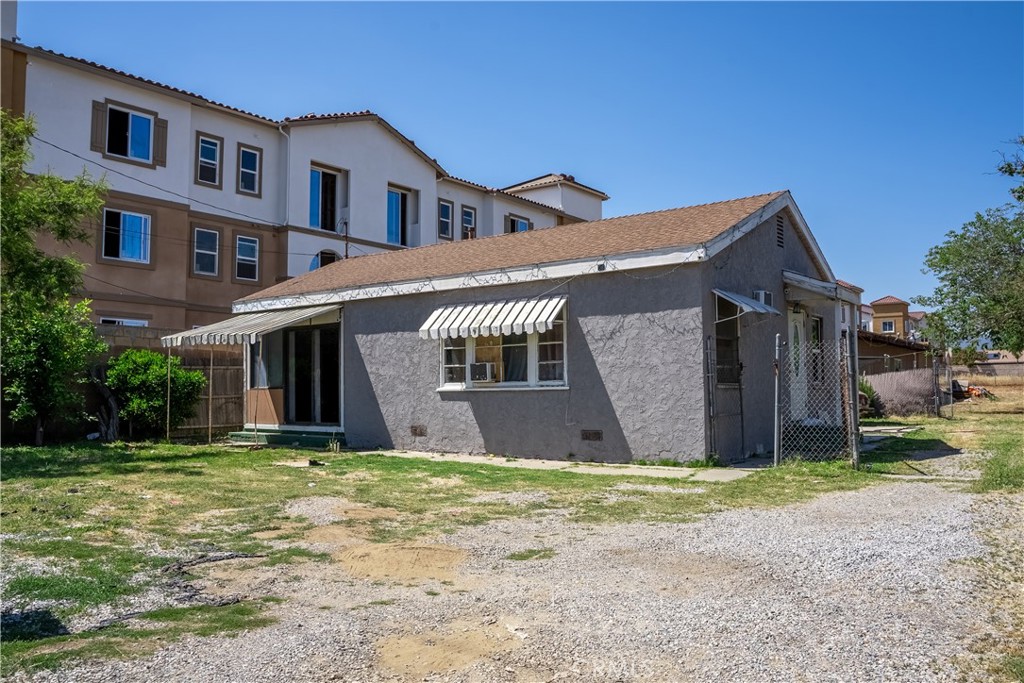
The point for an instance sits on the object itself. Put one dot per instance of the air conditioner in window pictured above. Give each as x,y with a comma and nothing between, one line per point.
763,296
481,372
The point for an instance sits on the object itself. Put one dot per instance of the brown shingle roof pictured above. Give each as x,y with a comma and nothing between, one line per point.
642,232
887,300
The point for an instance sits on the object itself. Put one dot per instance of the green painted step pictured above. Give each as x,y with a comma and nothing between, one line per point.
295,438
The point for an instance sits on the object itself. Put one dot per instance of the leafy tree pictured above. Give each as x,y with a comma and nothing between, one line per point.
47,342
1013,166
138,378
981,282
43,362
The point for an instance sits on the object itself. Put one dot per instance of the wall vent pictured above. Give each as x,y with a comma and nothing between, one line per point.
780,231
592,435
763,296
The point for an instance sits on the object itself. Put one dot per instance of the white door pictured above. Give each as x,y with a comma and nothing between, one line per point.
798,361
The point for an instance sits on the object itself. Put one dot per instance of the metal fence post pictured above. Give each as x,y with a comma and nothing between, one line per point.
777,445
852,403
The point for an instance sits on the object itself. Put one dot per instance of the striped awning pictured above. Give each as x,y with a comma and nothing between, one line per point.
745,303
515,316
245,328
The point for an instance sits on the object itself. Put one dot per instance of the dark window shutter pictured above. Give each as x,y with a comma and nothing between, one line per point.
508,224
98,140
160,142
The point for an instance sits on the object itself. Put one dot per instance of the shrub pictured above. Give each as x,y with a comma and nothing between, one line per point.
138,379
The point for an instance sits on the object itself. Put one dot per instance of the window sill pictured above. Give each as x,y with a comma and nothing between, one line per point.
499,388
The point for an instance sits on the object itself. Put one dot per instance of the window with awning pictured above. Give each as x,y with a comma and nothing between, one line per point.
508,343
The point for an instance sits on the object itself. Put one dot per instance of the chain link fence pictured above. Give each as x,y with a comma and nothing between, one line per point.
816,402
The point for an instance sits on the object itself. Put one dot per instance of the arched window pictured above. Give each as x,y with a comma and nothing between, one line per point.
324,258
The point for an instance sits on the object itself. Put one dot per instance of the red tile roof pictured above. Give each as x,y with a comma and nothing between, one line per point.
672,228
887,300
917,315
855,288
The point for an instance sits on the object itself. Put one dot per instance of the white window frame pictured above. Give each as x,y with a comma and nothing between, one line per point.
891,324
462,221
217,164
256,173
245,259
131,113
532,366
196,250
451,220
127,322
514,219
146,239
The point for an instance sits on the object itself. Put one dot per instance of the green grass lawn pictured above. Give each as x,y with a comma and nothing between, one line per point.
95,516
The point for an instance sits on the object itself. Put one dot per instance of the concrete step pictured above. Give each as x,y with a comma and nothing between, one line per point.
287,437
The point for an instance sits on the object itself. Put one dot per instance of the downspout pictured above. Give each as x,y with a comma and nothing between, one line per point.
287,170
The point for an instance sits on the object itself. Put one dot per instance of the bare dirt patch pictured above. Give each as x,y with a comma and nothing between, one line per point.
419,656
402,561
285,529
334,535
363,513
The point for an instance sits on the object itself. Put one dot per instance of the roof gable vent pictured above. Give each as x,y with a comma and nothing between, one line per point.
780,231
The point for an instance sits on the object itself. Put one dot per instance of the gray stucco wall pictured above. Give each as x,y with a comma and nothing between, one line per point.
634,366
754,262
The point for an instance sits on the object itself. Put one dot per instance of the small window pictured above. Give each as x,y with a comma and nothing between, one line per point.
127,322
817,328
516,224
250,170
247,252
208,159
125,236
888,326
324,258
453,361
551,353
398,217
727,342
468,222
323,199
129,134
205,252
445,219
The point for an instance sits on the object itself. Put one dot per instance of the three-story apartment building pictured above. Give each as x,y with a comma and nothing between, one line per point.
209,203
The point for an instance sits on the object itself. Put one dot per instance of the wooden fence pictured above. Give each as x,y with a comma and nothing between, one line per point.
222,402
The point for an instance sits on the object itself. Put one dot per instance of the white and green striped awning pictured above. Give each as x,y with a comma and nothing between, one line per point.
245,328
513,316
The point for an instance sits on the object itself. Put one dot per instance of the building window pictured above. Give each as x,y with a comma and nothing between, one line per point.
453,361
250,170
247,252
125,236
817,328
208,159
727,342
129,134
324,258
323,199
888,326
127,322
517,224
205,251
507,360
445,219
398,217
468,222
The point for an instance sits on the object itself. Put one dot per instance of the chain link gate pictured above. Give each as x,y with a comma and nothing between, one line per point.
816,402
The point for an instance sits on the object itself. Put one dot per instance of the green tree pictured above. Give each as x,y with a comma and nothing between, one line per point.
1013,167
47,343
138,378
980,269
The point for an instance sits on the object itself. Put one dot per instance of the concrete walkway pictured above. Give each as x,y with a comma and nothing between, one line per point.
713,474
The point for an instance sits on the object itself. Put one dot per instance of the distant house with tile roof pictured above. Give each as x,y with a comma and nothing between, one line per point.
891,316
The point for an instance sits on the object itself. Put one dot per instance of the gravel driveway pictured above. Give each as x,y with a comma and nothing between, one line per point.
860,586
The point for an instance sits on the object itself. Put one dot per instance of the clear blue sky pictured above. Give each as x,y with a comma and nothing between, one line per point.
885,120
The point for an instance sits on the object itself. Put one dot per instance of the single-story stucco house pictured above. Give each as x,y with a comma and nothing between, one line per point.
647,336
